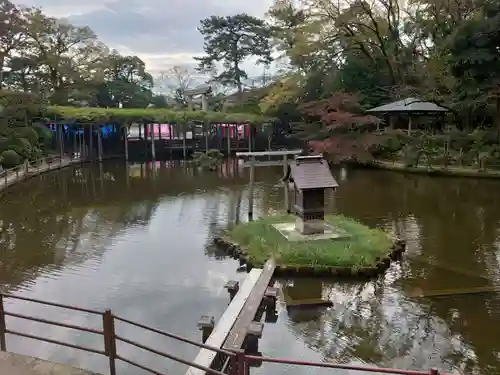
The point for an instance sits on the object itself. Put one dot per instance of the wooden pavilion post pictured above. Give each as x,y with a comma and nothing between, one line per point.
285,170
184,140
84,144
99,143
250,188
207,127
91,142
125,139
61,140
75,144
145,139
250,129
153,146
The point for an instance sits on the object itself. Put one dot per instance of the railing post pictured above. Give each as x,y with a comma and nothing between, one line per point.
109,340
3,346
239,365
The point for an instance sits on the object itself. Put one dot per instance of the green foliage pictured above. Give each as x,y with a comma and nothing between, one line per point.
22,147
249,106
4,144
43,133
131,115
474,55
29,133
215,154
230,40
477,149
18,107
10,159
209,160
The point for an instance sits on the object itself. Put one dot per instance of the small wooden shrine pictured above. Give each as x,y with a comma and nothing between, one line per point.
310,176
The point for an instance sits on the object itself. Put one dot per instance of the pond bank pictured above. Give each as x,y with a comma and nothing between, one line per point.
450,171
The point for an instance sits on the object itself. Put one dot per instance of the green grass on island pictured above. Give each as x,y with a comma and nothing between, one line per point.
262,241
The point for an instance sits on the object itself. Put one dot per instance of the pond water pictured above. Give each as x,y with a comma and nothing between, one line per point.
137,240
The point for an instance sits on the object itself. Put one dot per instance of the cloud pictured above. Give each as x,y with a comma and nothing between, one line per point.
161,32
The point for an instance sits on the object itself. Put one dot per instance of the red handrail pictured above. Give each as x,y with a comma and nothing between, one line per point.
238,361
344,367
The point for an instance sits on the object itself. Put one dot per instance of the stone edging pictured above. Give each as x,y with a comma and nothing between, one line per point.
395,253
434,170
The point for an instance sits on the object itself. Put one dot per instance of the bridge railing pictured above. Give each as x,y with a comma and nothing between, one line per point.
107,332
238,361
28,169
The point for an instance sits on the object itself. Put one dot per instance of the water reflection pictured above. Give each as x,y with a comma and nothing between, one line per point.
132,239
137,239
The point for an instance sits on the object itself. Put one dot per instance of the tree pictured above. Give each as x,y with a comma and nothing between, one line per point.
66,64
11,33
174,82
125,82
159,101
65,53
475,58
290,32
335,127
22,73
230,40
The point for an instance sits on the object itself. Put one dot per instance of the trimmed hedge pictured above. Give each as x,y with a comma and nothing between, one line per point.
151,115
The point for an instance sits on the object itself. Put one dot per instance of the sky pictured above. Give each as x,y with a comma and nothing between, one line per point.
161,32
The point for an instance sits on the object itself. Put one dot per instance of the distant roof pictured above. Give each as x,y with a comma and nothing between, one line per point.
311,172
409,105
205,89
246,94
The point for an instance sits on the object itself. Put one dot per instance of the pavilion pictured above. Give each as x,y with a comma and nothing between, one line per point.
411,107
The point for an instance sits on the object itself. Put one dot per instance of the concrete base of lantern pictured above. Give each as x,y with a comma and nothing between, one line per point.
291,233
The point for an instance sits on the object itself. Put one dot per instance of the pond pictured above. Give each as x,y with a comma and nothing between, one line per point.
137,239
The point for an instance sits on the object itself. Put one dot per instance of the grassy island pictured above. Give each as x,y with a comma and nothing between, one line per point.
364,248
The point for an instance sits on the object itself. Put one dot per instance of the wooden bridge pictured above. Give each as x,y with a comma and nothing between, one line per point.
239,327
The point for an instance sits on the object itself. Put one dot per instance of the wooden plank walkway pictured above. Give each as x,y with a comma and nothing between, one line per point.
206,357
453,292
265,163
268,153
450,268
239,331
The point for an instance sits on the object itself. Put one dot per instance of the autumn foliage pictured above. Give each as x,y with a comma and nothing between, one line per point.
338,128
339,112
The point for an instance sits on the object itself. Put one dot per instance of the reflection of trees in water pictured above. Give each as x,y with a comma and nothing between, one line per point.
373,323
454,223
451,221
62,218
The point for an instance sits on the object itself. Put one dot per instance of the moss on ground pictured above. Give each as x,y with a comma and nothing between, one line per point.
262,241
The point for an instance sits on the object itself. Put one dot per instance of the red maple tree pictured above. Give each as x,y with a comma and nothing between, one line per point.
343,133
